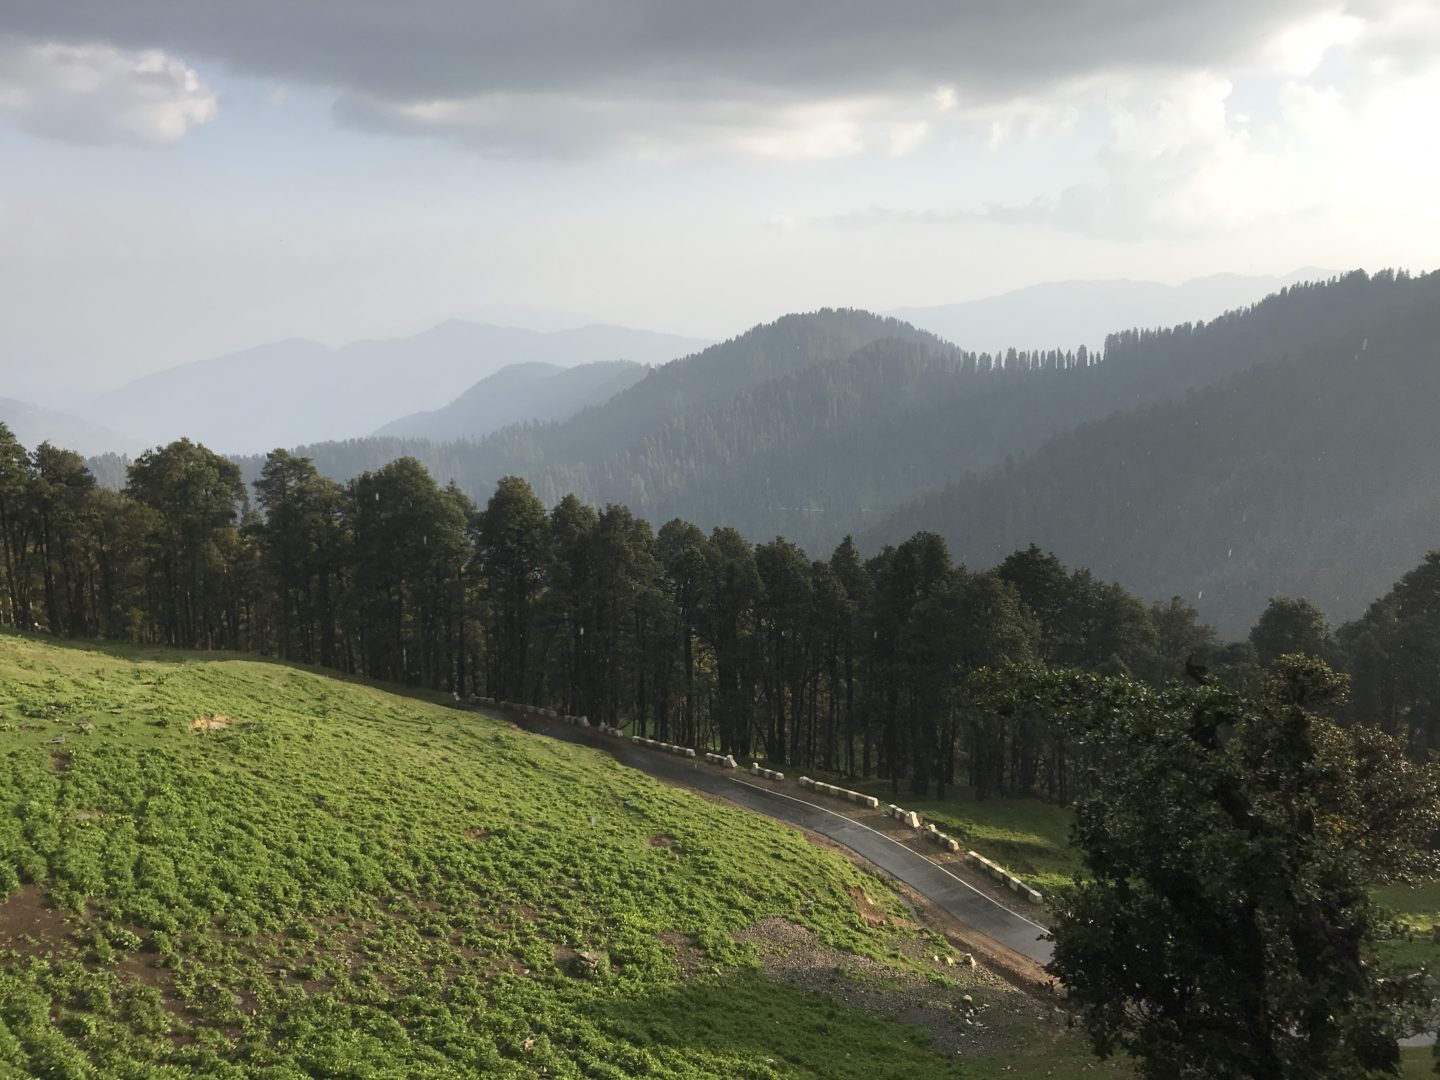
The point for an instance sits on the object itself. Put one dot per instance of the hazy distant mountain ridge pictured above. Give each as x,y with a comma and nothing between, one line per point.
32,425
298,391
519,393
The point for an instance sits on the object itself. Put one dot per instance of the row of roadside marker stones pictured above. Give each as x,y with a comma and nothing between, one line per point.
535,710
1000,874
727,761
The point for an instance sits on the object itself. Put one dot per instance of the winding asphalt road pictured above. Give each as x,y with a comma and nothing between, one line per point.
969,905
972,907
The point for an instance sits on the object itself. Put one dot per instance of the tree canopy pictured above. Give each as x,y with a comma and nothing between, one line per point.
1224,927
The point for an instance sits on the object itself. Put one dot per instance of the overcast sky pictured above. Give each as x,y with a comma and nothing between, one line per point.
180,178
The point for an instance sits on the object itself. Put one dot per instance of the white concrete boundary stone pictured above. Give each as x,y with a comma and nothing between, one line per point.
1000,874
725,761
840,792
949,843
768,774
908,817
534,710
669,748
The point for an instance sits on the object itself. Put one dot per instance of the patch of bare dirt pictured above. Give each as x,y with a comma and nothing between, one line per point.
523,912
873,915
145,969
955,1011
688,955
668,842
28,926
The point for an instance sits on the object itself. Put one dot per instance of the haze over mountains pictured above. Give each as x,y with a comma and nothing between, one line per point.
1222,461
33,424
289,392
293,392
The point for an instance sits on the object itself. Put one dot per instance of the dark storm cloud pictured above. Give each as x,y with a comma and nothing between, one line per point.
406,52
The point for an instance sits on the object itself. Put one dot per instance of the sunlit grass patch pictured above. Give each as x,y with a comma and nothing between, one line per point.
339,880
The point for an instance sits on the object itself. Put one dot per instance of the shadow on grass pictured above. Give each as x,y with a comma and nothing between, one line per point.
744,1025
749,1026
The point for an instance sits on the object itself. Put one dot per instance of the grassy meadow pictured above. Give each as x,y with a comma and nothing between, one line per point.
220,866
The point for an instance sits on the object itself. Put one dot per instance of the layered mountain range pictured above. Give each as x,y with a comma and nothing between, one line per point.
1279,448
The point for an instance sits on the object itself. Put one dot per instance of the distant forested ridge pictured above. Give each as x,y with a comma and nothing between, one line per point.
1308,470
874,667
838,422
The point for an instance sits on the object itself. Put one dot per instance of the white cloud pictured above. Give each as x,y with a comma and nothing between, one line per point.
1298,49
98,93
1181,160
563,125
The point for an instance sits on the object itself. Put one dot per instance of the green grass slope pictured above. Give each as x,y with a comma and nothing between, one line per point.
345,882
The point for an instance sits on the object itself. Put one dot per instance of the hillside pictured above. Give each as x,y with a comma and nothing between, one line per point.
819,425
298,391
559,457
1306,475
517,394
335,880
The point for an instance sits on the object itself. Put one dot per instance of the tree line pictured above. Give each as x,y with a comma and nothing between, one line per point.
871,667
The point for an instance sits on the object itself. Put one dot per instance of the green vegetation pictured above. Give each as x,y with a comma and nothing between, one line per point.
1309,414
335,880
1417,1064
1028,837
1297,473
1224,927
1417,913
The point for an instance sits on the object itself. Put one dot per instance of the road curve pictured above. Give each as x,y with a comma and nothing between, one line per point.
966,903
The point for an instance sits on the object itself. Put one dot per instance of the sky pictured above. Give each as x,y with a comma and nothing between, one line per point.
184,178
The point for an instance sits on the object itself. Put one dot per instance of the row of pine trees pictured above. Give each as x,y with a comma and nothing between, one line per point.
866,667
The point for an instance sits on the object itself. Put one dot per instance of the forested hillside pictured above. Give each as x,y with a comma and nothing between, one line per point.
604,448
1307,475
517,394
844,663
1070,313
820,425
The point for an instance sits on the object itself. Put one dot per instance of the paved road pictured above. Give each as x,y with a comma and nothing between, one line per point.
972,907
